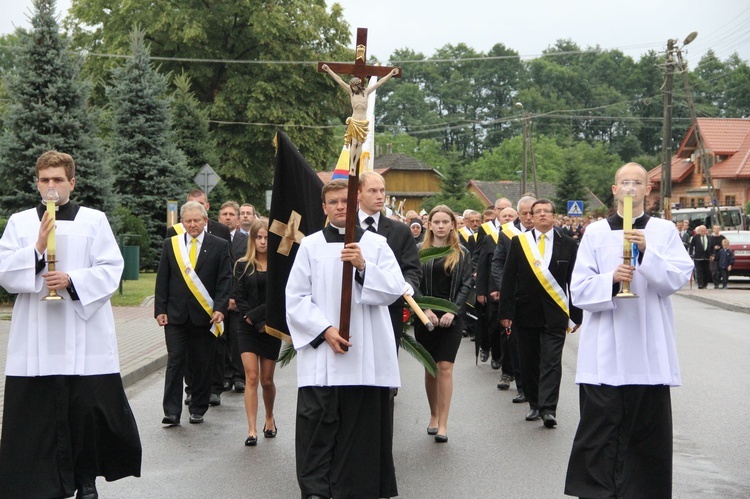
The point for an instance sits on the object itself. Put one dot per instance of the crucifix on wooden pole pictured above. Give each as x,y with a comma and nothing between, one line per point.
356,135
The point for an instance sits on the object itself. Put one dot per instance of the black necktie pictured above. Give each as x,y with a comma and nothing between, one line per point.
370,224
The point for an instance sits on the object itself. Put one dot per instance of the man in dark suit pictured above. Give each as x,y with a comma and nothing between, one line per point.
400,240
685,235
191,297
220,230
700,251
533,297
229,366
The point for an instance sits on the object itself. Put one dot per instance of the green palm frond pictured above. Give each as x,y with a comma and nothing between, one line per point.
433,303
416,350
428,254
287,354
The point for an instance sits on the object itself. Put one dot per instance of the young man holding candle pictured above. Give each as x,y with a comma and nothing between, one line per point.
66,419
627,355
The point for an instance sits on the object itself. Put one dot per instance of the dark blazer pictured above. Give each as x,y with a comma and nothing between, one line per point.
245,295
470,243
696,248
239,245
499,257
401,242
485,284
522,297
173,297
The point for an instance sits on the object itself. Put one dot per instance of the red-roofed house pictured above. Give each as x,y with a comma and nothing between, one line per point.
727,148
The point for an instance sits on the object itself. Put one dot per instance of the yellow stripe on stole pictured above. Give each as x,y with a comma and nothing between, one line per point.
542,273
216,328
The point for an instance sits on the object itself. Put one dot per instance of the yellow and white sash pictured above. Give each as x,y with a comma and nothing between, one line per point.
192,280
489,229
466,233
542,273
179,229
510,230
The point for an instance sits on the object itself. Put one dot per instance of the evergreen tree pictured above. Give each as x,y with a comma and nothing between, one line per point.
570,187
190,127
47,110
149,168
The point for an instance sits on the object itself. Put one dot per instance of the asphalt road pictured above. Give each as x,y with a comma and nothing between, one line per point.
492,453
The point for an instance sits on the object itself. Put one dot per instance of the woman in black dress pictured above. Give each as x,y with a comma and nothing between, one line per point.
258,350
449,278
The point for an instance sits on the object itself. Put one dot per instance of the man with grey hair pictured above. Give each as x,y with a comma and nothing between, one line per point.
193,283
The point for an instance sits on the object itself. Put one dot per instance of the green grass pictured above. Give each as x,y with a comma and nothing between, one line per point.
134,292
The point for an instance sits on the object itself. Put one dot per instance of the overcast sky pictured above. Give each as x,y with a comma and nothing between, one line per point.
530,26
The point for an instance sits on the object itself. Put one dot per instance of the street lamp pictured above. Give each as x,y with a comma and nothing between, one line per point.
666,149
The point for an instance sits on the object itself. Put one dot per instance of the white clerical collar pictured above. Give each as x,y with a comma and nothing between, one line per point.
634,218
341,230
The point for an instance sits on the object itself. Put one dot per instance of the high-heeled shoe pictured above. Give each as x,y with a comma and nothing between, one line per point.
251,441
441,439
431,431
270,433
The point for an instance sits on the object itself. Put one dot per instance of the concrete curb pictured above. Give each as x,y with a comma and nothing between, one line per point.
149,367
733,307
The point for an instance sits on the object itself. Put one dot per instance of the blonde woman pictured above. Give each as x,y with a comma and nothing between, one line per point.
449,278
258,350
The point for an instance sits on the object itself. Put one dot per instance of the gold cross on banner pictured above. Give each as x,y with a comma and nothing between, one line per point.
288,232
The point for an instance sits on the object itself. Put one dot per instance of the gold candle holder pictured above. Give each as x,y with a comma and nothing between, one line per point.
628,190
51,200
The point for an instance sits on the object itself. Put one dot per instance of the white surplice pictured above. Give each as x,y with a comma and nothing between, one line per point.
70,337
313,303
629,341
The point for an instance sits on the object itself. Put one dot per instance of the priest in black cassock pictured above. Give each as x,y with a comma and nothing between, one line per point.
344,422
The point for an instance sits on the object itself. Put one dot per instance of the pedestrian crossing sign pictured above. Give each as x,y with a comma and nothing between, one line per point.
575,208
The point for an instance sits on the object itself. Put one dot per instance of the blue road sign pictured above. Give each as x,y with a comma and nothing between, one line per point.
575,208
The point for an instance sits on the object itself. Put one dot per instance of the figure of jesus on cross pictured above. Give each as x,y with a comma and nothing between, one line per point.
358,125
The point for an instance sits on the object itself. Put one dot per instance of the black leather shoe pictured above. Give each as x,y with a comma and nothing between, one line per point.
532,415
495,364
431,431
87,490
441,439
239,386
484,355
196,418
549,420
315,497
520,398
270,433
214,399
251,441
188,399
171,420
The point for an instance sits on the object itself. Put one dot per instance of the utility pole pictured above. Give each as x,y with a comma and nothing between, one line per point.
528,153
666,145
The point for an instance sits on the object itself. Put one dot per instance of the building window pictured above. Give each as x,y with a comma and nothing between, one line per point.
701,202
729,201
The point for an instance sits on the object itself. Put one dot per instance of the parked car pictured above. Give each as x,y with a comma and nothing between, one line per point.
739,242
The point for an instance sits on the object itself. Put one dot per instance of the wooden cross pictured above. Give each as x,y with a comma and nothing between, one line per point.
360,69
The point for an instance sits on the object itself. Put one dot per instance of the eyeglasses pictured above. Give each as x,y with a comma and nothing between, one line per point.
543,211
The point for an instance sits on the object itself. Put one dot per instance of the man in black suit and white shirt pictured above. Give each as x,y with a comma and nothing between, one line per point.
700,251
191,297
399,237
534,298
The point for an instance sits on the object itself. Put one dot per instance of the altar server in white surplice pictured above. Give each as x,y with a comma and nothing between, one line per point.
627,354
66,419
344,414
